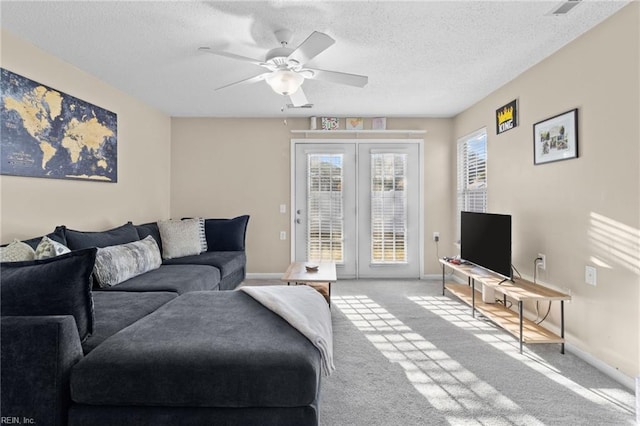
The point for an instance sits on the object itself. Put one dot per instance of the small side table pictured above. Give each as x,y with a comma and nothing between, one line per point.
320,280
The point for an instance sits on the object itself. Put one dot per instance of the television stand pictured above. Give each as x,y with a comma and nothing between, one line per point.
519,291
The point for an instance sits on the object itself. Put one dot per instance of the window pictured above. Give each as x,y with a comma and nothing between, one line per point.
472,173
388,208
325,236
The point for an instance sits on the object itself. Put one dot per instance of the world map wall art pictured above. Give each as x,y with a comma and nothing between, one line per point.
47,133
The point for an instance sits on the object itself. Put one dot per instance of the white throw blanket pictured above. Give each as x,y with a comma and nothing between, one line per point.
306,310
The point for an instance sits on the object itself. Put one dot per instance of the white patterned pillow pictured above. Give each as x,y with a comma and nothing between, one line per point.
17,251
115,264
203,236
180,238
49,248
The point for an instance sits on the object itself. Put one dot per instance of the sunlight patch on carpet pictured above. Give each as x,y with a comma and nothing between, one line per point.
459,315
449,387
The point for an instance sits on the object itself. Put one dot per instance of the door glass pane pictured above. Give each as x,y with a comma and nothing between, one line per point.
388,208
325,224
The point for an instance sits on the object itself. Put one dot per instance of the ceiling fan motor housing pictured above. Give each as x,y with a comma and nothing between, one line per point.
278,56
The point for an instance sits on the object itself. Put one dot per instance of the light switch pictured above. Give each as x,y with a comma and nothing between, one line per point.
590,275
283,208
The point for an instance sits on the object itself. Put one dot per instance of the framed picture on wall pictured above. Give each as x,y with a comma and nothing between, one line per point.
355,123
507,117
330,123
556,138
46,133
379,123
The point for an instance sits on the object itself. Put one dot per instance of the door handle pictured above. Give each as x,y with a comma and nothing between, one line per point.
298,221
298,211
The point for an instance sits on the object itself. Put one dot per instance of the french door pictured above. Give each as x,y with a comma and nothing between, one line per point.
358,203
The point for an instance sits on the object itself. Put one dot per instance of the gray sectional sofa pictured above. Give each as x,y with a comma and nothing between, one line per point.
165,347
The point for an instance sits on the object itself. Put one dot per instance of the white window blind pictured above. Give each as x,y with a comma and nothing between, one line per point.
325,222
472,173
388,208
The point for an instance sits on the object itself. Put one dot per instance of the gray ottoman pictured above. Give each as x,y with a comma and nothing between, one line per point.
214,355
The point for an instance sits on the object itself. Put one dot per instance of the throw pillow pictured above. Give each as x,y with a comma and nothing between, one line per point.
226,234
116,264
16,251
77,240
57,235
180,238
147,229
203,235
58,285
50,248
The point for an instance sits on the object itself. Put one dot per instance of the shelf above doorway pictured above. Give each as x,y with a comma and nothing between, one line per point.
357,133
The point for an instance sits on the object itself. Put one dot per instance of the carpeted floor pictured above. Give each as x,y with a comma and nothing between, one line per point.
406,355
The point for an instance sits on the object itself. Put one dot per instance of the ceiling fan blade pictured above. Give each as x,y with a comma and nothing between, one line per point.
298,98
249,80
338,77
231,55
315,44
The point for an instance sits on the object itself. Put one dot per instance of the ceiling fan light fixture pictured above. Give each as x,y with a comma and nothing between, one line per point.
284,82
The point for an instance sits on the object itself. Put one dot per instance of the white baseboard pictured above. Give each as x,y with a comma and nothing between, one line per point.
432,277
458,279
638,400
603,367
278,275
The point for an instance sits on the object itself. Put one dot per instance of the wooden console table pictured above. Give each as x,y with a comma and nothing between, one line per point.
519,291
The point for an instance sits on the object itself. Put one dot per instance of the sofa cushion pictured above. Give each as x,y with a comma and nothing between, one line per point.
96,415
48,247
227,262
83,239
58,285
177,278
115,264
147,229
230,282
37,353
115,310
226,234
17,251
215,349
180,238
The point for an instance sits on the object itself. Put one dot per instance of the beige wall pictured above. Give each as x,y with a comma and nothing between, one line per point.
228,167
583,211
34,206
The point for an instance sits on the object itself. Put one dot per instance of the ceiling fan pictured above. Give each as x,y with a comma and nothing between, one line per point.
286,66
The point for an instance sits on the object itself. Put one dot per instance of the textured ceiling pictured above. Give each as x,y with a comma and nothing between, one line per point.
423,58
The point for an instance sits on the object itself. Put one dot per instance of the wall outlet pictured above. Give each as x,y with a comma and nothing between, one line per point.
436,236
590,275
542,262
283,235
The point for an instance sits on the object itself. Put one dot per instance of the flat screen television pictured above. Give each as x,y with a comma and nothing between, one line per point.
485,241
